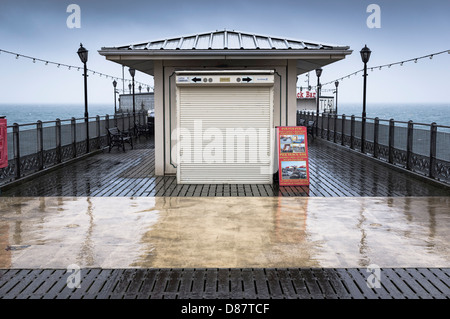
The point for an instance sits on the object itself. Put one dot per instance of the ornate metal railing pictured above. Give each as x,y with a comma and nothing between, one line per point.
418,147
33,147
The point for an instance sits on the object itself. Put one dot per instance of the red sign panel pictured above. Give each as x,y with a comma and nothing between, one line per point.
3,144
306,95
293,168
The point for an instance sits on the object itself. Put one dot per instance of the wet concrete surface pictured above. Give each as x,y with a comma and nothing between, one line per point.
224,232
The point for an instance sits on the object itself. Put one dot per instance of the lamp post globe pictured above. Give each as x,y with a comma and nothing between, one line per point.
83,53
365,54
318,72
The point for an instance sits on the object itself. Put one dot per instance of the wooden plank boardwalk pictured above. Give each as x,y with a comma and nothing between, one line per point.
334,172
219,283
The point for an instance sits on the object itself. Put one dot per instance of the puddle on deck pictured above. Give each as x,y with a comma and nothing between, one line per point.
224,232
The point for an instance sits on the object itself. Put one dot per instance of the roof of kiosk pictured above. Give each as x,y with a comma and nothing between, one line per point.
226,45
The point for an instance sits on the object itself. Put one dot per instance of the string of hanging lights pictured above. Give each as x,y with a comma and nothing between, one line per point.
72,67
106,76
380,67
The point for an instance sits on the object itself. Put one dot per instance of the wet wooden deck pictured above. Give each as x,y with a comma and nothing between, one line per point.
267,283
333,172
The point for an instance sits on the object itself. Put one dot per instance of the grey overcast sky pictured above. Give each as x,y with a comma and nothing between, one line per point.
409,29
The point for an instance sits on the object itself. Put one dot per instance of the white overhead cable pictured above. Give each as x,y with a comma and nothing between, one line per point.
70,67
379,67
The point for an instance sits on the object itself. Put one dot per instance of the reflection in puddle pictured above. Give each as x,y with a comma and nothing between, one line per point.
225,232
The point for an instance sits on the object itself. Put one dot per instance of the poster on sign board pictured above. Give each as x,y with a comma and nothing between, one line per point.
293,168
3,143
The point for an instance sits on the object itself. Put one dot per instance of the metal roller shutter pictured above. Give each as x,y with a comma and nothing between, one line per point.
231,123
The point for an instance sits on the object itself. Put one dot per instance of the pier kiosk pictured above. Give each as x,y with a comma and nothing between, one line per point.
225,120
218,87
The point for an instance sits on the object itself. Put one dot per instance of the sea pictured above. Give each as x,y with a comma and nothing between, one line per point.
31,113
419,113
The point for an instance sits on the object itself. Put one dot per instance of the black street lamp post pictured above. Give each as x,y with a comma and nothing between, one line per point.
336,108
318,74
115,99
365,56
83,54
132,73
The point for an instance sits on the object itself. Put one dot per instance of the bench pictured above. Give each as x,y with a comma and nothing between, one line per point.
142,129
118,138
309,126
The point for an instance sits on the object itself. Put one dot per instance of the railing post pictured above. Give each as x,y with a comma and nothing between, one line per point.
409,144
352,132
391,141
106,128
335,128
129,122
16,140
317,123
433,133
58,141
376,132
343,130
123,121
106,122
363,134
328,126
88,138
73,128
322,128
97,121
40,145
